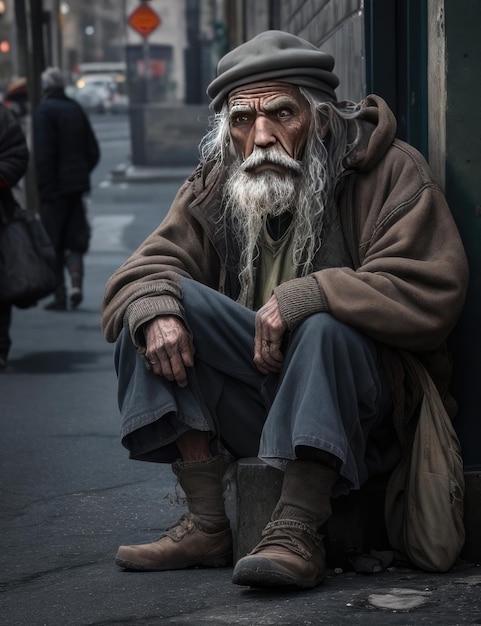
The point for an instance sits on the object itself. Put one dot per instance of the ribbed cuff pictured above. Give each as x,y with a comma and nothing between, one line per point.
145,309
299,298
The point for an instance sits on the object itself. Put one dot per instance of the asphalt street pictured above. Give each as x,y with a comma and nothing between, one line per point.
69,495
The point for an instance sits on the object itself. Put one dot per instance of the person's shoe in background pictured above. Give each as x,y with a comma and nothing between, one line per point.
76,297
59,302
56,305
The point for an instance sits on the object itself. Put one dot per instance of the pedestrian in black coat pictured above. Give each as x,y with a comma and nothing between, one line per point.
66,151
13,165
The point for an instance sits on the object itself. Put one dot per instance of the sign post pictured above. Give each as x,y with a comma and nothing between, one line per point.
144,20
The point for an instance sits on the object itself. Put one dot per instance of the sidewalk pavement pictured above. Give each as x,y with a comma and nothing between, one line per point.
125,173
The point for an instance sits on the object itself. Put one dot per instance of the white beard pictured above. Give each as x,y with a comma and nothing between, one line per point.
249,199
257,196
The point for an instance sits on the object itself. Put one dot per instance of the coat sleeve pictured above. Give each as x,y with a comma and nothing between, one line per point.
13,149
409,288
148,283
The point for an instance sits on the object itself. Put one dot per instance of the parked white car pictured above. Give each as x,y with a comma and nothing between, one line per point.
119,100
92,99
94,92
100,93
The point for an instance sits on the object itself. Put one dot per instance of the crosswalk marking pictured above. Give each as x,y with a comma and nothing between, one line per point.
107,232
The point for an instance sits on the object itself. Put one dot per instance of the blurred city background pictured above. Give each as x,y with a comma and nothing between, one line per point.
152,59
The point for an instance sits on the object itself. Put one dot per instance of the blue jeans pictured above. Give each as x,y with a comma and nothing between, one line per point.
331,395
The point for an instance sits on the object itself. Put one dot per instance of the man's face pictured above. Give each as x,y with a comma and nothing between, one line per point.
269,115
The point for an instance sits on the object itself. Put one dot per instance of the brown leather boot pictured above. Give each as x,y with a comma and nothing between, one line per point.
202,537
181,546
291,552
289,555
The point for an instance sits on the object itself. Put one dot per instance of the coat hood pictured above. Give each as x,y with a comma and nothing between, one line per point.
371,134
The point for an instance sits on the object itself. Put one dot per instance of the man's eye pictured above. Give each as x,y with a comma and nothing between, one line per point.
284,113
240,118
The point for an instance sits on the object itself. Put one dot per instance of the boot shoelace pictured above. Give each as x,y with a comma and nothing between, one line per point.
295,536
181,528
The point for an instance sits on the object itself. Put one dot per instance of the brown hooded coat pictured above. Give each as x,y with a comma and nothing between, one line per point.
406,284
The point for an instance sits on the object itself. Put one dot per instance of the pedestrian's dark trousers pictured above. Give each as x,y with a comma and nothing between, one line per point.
65,220
331,395
5,320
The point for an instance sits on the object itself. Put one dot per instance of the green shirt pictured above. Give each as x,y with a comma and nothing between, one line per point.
275,263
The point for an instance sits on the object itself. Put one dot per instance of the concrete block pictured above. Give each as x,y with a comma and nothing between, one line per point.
258,489
167,134
356,525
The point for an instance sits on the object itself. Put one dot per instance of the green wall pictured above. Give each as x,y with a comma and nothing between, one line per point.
463,191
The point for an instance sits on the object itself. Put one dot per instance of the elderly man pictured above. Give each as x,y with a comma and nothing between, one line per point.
264,315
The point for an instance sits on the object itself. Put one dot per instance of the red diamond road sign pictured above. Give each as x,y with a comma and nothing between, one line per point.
144,20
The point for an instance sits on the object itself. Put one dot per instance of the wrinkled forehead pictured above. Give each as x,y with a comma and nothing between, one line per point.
266,91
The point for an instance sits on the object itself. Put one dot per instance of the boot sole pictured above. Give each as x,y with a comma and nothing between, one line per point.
217,561
261,572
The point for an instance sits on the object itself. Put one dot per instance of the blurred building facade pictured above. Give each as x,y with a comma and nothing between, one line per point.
185,46
7,42
91,30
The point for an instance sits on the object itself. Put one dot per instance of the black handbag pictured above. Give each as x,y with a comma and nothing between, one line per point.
28,264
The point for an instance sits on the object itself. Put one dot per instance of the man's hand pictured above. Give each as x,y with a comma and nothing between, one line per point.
270,330
169,348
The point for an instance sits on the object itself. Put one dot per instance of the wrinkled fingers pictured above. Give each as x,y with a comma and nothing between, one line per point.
268,356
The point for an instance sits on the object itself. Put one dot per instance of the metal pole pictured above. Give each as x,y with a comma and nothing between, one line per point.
38,53
58,17
146,51
30,46
22,36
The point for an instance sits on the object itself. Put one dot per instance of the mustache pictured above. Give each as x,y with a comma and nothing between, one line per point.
275,156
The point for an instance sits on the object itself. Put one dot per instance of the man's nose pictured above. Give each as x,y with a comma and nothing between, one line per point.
264,135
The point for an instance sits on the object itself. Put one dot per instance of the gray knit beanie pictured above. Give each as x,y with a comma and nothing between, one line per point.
274,55
52,77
